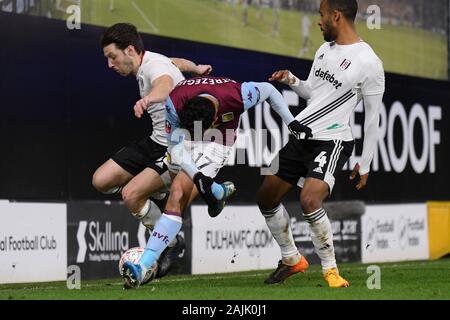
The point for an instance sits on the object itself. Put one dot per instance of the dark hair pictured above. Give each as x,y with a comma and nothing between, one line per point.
197,109
123,35
349,8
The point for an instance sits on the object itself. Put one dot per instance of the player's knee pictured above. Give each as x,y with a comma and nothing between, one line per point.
130,196
99,182
127,194
310,202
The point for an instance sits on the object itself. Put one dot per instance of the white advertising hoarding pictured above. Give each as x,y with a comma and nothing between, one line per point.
394,233
236,240
33,242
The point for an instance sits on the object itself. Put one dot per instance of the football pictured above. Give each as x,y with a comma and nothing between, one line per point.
133,255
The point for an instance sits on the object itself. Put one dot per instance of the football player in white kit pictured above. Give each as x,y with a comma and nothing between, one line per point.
137,171
345,71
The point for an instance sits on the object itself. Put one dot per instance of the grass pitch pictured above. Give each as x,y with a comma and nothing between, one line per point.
421,280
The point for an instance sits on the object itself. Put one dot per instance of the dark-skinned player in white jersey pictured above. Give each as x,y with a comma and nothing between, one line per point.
345,71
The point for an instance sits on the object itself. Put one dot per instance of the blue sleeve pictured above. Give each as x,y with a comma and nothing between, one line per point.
257,92
174,136
175,139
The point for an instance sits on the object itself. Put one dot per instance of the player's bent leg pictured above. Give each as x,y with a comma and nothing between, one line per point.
110,177
210,158
180,193
181,190
140,193
136,193
311,198
269,199
165,230
160,197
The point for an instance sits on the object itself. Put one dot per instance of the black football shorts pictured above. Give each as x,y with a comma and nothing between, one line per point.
301,159
144,153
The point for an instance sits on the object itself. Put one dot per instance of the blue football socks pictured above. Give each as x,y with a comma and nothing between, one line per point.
165,231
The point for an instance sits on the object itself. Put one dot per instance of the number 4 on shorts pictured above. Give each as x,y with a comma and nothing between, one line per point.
321,159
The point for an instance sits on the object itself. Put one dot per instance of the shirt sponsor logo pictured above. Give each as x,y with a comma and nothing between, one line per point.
326,76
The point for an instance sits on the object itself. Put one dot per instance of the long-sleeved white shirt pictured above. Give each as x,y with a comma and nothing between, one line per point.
340,77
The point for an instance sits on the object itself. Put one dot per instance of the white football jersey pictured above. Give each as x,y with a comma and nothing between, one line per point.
339,77
153,66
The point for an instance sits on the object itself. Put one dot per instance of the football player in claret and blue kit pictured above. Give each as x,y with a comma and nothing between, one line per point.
202,116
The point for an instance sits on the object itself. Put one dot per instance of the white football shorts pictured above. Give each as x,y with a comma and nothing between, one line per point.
209,157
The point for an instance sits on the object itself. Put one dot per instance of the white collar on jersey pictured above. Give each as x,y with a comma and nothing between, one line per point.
333,43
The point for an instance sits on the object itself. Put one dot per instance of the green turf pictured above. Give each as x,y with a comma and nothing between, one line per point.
404,50
407,280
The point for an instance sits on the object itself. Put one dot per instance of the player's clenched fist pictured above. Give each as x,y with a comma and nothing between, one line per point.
140,107
296,129
203,69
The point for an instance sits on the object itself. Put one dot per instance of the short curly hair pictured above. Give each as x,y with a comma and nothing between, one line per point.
197,109
122,35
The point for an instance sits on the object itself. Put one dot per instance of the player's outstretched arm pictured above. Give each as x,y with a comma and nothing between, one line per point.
302,88
283,76
161,88
190,67
262,91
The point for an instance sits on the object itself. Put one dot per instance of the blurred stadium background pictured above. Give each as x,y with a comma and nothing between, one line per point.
63,113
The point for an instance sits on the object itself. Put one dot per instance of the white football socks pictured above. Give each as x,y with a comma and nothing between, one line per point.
149,214
277,220
322,237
